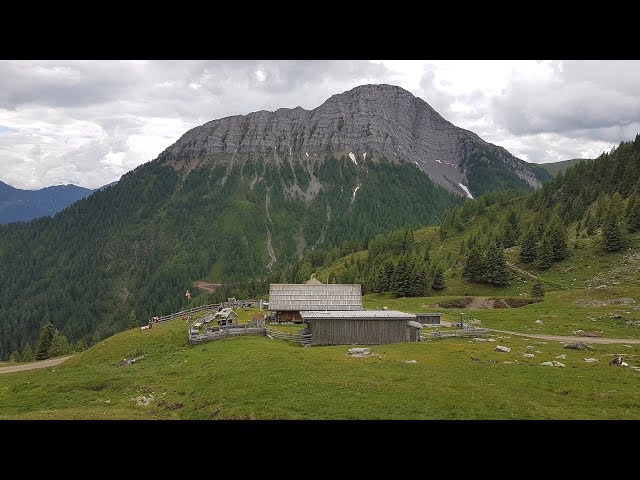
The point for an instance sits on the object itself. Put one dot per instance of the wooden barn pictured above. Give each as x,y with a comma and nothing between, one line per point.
287,300
363,327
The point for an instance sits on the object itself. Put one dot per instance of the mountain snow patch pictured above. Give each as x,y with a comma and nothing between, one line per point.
353,157
464,187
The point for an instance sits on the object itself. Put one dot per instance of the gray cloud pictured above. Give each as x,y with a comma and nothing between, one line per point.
88,122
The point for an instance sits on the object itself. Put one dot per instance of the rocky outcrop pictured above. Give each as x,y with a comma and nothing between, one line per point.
363,125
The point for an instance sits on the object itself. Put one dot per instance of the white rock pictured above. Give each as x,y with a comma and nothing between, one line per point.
624,364
529,347
480,339
547,364
558,364
537,351
359,351
410,361
563,356
491,340
590,360
501,348
528,355
539,322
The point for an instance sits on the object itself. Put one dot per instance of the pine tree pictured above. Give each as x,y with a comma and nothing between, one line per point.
59,346
437,278
14,357
544,256
511,230
611,234
133,321
528,249
95,338
632,214
496,272
47,332
79,346
537,290
27,354
387,274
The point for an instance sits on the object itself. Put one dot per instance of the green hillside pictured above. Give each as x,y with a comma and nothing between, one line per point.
138,245
259,378
554,168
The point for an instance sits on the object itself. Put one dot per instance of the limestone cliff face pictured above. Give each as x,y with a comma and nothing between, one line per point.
363,125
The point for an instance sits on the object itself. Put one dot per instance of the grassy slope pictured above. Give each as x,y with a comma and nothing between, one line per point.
554,168
254,377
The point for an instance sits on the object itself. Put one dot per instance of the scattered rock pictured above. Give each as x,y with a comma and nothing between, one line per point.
563,356
617,315
578,346
501,348
494,361
144,401
491,339
480,339
539,322
359,352
528,355
578,332
558,364
547,364
633,323
507,362
529,347
628,346
624,364
410,361
590,360
131,361
537,351
600,286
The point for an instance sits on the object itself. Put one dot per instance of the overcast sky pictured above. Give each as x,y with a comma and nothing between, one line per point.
89,122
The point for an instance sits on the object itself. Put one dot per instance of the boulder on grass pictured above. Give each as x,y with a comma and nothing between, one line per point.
502,348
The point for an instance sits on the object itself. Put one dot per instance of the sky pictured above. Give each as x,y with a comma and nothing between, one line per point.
89,122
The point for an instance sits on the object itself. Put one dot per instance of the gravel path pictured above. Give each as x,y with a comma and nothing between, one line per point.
32,366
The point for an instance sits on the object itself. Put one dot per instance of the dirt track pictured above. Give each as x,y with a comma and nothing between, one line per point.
207,287
571,338
32,366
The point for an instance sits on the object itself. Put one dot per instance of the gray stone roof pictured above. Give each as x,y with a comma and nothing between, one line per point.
292,297
358,314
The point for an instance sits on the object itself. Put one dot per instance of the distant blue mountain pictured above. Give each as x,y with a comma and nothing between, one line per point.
23,205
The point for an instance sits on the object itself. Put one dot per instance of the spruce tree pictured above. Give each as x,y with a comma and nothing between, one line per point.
544,256
528,249
133,321
14,357
496,272
590,224
27,354
47,332
511,230
557,235
59,346
400,280
632,214
537,290
474,264
437,278
611,234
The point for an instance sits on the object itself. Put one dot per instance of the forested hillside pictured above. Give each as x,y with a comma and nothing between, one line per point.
138,245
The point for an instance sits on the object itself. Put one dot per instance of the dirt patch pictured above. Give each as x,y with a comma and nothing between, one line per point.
456,302
206,286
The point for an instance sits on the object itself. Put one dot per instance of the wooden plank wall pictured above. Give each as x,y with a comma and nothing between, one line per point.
365,332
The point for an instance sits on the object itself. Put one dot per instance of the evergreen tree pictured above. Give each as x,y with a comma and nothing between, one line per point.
401,277
437,278
495,272
511,230
387,274
544,256
474,264
95,338
133,321
27,354
14,357
47,332
59,346
537,290
632,214
611,234
557,234
79,346
590,224
528,249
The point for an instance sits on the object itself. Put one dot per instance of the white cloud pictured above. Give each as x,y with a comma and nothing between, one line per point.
88,122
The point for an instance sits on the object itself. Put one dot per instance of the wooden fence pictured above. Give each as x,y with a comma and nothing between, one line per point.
465,332
303,339
217,333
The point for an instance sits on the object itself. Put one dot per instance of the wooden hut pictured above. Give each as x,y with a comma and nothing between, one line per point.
428,318
226,316
364,327
287,300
